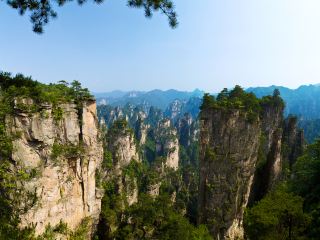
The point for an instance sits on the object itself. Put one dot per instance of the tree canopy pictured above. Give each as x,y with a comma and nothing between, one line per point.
42,11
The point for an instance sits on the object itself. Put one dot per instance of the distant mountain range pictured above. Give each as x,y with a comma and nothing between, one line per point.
156,98
303,101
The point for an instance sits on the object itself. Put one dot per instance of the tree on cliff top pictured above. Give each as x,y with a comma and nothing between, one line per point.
238,98
42,11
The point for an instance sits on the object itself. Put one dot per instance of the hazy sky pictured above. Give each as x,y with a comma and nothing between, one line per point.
219,43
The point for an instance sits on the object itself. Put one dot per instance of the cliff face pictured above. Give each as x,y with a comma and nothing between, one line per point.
245,146
270,163
228,154
167,144
121,144
293,139
59,150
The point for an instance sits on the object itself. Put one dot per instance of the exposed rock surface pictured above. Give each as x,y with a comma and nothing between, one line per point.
228,154
121,144
63,186
167,144
269,166
241,160
293,138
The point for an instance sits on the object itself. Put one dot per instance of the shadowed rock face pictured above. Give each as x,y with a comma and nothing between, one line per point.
269,166
64,186
228,154
241,160
294,140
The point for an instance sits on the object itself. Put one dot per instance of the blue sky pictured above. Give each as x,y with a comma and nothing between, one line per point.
219,43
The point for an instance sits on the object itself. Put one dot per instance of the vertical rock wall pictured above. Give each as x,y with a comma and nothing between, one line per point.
122,145
167,144
61,184
228,154
270,164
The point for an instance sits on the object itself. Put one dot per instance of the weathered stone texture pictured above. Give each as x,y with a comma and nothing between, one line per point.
64,188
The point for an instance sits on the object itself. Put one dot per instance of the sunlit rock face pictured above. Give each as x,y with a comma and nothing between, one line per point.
122,145
167,144
59,148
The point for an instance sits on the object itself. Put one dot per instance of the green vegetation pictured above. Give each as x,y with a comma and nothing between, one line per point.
20,86
291,211
149,218
279,215
52,232
20,93
119,126
237,98
68,151
156,219
169,215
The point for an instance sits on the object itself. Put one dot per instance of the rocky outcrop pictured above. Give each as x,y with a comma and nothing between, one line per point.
269,164
167,144
58,149
121,144
229,145
123,150
185,129
293,141
141,131
243,154
174,109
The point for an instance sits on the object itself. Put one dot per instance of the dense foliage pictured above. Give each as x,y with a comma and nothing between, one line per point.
292,211
237,98
19,86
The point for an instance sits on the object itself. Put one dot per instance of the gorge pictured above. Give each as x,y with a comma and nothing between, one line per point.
72,170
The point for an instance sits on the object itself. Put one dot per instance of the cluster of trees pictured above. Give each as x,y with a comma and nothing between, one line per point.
19,86
237,98
292,210
149,218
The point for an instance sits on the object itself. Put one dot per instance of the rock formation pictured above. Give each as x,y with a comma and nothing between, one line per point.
240,157
122,146
293,139
167,144
58,148
228,154
269,162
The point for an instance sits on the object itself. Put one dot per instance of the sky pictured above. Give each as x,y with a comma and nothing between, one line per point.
218,43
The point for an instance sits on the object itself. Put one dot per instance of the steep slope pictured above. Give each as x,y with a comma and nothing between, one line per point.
230,130
228,155
48,173
64,185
